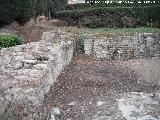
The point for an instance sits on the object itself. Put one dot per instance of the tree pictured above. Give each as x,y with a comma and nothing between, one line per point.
56,5
41,7
19,10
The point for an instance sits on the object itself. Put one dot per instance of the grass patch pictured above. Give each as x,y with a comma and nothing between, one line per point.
122,30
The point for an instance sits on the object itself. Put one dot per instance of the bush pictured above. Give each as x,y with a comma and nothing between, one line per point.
113,16
10,40
81,6
148,15
99,17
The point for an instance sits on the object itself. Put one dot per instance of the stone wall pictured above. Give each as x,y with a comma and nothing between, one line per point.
28,71
123,46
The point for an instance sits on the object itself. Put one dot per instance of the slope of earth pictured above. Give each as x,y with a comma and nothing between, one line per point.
33,32
91,89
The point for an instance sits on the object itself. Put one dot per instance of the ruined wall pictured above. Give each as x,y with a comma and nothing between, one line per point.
123,46
28,71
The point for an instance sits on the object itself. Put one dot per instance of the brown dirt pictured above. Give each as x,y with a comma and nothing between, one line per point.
29,34
33,33
86,81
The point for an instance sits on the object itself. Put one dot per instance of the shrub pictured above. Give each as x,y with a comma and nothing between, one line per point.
148,15
99,17
10,40
113,16
96,5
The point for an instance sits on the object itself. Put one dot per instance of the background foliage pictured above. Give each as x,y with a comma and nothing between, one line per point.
19,10
90,14
23,10
126,14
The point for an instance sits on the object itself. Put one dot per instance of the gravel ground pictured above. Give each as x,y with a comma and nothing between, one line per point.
91,89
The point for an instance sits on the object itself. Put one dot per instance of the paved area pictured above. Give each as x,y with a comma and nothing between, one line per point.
91,89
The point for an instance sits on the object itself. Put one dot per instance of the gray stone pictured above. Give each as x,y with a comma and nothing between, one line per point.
40,66
27,66
52,117
99,103
135,106
18,65
123,46
33,62
2,106
72,103
28,71
88,44
56,110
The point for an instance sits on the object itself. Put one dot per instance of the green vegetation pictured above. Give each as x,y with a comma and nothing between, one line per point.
22,10
148,15
81,6
121,30
43,7
19,10
79,12
113,16
56,5
93,13
10,40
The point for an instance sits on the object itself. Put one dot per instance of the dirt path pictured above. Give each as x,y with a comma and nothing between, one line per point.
99,90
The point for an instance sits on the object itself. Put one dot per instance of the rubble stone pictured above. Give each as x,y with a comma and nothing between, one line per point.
28,71
123,46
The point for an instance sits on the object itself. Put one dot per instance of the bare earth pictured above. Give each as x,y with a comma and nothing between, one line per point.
91,89
33,33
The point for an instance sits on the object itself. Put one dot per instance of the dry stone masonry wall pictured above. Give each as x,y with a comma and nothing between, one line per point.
27,73
123,46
